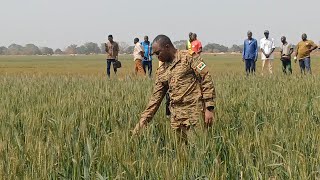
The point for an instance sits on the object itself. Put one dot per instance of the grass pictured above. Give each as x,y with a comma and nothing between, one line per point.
61,118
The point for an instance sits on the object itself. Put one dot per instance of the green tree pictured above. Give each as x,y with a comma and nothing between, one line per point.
215,48
31,49
81,50
15,49
72,49
3,50
103,48
46,51
235,48
182,44
58,51
92,48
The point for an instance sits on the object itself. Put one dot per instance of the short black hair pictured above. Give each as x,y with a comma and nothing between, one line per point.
162,40
136,39
110,36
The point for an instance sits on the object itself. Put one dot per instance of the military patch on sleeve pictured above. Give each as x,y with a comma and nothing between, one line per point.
201,66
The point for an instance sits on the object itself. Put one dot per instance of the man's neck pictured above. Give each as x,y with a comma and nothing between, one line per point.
146,42
175,55
285,43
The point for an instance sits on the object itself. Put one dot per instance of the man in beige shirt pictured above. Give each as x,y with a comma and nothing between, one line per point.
138,54
112,49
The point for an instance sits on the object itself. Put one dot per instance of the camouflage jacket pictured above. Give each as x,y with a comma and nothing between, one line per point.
186,79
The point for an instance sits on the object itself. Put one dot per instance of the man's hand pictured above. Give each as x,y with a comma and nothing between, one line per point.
137,129
209,118
243,59
267,55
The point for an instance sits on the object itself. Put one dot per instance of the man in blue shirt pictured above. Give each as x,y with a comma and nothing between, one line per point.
147,61
250,53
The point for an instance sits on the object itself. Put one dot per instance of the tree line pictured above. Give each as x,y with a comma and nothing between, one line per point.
94,48
210,47
87,48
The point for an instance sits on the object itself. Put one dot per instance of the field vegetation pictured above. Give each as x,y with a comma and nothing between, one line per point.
61,118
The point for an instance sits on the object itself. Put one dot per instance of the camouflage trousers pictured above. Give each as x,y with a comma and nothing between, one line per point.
187,121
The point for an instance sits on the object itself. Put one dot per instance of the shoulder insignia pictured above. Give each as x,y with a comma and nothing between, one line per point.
201,66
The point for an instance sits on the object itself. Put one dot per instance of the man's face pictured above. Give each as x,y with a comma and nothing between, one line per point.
283,39
249,35
146,38
110,39
162,53
135,41
193,37
266,35
304,37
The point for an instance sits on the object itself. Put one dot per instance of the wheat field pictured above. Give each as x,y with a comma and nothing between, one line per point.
61,118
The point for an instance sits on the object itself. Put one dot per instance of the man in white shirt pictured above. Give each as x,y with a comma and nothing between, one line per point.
138,55
267,48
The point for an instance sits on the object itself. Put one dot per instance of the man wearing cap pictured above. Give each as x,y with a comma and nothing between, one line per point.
267,47
286,51
250,53
304,49
112,49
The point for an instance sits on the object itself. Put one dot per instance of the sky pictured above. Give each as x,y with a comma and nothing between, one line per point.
59,23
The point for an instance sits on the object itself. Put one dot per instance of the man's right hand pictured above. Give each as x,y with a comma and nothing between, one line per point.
209,118
138,128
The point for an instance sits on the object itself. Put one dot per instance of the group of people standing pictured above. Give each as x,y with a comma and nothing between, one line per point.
141,55
193,44
267,47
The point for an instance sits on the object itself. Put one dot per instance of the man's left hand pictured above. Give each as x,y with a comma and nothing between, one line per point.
209,118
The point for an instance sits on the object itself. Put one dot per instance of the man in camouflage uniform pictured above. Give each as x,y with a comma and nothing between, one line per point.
185,77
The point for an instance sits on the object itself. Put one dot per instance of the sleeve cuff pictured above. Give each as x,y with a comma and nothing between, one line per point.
209,103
